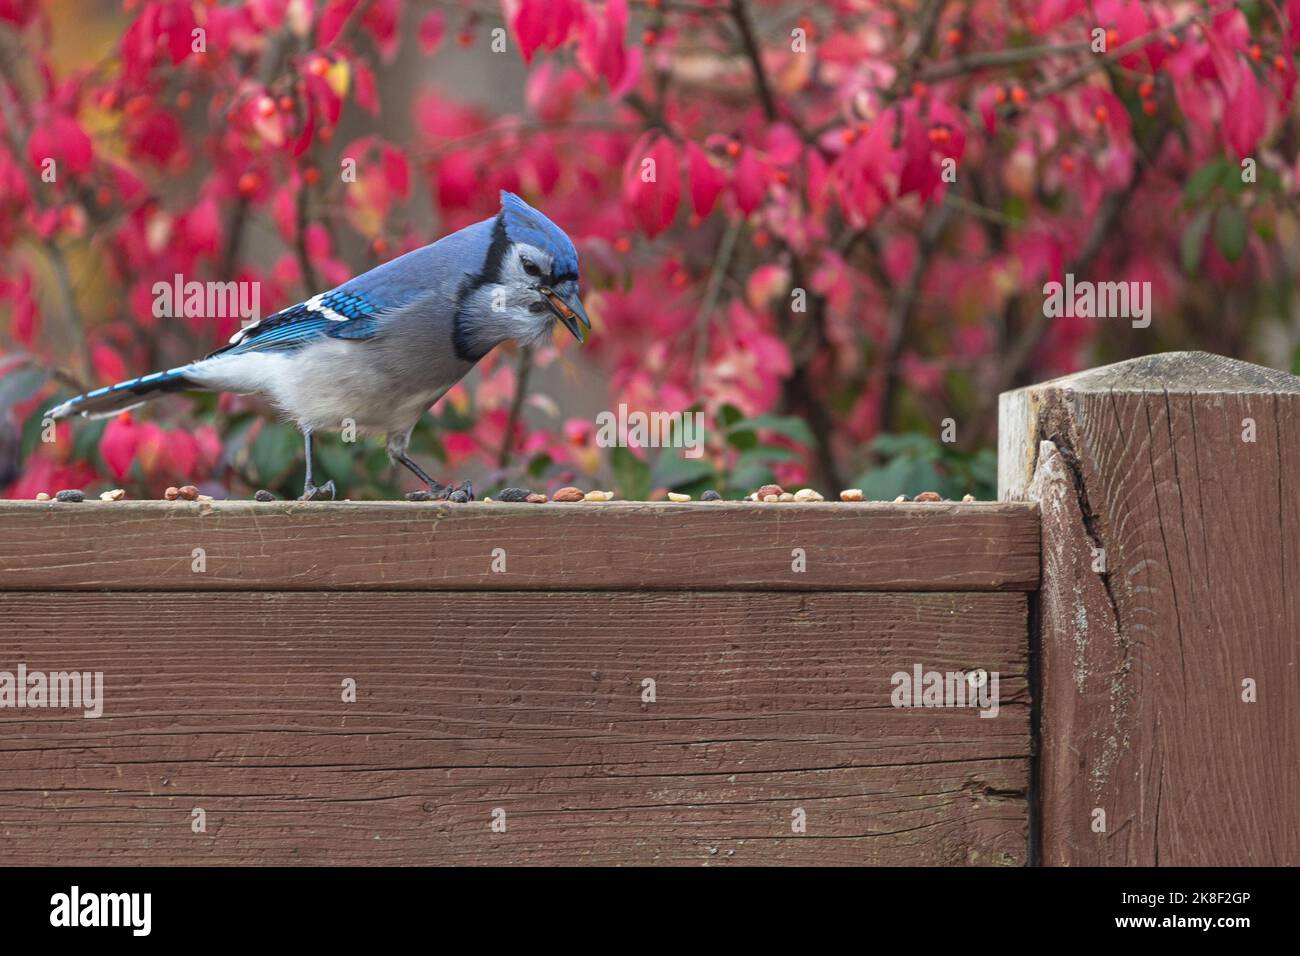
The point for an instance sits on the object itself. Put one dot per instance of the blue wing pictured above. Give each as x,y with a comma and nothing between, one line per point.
339,314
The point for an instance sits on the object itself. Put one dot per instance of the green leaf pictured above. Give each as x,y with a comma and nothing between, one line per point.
728,415
19,386
673,471
789,426
1193,241
631,474
904,475
1230,228
1202,182
275,450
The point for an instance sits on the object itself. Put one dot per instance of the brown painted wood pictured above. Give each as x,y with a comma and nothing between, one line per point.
1142,666
531,702
426,546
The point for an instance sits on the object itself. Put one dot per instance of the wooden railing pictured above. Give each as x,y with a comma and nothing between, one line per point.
688,683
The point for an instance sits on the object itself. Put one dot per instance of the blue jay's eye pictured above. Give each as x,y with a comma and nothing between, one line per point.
530,266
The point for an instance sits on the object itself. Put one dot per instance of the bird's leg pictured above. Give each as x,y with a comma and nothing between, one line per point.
436,488
397,452
309,490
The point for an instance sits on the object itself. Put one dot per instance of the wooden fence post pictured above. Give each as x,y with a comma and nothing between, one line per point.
1169,610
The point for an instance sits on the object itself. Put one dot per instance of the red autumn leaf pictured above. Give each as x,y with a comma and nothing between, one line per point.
62,139
397,174
750,182
707,179
118,445
363,79
432,27
1245,118
651,183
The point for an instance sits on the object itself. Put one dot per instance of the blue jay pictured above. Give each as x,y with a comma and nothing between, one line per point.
382,348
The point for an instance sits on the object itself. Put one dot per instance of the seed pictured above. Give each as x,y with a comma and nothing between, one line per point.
851,494
189,492
568,493
769,490
70,494
598,496
204,498
418,496
459,496
785,496
674,496
710,495
43,496
514,494
902,498
536,499
172,493
263,495
929,496
807,494
117,494
771,498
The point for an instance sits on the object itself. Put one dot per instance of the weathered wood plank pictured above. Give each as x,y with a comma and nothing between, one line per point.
764,704
425,546
1143,664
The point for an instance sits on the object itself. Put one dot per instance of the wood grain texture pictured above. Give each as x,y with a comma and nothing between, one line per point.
1142,666
530,702
585,546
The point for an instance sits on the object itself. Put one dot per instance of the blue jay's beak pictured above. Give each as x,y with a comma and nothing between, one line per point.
569,310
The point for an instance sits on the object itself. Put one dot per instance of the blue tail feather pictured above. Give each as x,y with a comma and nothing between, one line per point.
118,398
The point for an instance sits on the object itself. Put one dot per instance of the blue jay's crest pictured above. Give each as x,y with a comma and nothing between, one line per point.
525,224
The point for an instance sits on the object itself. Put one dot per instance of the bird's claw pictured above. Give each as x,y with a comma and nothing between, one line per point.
324,493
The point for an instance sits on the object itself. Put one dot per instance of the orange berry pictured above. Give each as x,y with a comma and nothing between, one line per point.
265,106
1019,96
1146,89
137,105
1149,107
622,244
782,177
1000,96
849,135
311,175
1100,114
733,148
380,245
1173,41
653,4
183,99
318,66
649,38
1256,52
680,278
953,37
103,197
939,134
1067,164
465,38
919,89
1112,38
1279,63
326,134
248,183
286,104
